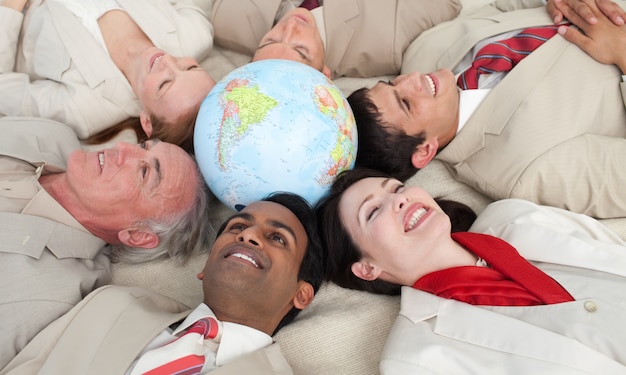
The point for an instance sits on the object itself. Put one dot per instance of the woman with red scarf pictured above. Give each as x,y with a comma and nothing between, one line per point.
472,301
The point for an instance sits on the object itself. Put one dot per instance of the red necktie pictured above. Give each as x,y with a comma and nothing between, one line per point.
503,55
310,4
167,359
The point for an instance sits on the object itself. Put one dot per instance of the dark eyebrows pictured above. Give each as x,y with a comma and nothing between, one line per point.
279,225
272,223
396,95
383,185
400,103
240,215
157,166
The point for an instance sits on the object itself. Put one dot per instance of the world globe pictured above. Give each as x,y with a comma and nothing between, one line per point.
273,125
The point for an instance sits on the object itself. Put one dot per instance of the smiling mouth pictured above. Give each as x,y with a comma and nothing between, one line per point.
156,58
431,84
246,258
417,215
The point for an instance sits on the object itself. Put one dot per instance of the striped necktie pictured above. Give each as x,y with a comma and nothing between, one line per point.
183,356
503,55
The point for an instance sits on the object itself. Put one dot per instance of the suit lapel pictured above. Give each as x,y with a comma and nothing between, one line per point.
89,58
515,330
493,114
119,322
339,33
507,334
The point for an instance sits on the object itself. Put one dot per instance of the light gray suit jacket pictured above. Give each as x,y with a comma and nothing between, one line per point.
364,38
53,68
433,335
552,131
106,331
46,266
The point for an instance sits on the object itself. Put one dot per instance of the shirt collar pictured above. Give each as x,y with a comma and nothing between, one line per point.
237,339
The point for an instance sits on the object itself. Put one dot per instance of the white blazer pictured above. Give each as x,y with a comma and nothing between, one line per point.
586,336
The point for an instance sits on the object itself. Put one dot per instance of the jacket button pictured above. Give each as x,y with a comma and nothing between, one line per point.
591,306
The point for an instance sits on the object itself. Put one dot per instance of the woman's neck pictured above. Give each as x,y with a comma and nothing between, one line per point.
125,42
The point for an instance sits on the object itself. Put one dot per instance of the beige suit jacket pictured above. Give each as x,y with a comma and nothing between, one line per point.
552,131
364,38
48,261
106,331
53,68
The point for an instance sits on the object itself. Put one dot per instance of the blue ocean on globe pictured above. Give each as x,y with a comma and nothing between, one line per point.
273,125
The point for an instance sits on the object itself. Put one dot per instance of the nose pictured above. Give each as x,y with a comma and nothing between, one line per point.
169,63
250,235
291,28
127,151
399,200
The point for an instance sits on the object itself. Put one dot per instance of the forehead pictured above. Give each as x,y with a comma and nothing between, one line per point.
361,191
176,168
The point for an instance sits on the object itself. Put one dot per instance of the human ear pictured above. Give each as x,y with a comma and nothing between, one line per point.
138,238
200,276
146,123
304,295
326,71
365,271
424,153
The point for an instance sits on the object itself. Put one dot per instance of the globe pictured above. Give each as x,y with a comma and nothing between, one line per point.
273,125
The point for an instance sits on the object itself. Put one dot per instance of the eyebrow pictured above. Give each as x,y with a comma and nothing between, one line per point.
383,184
396,95
272,223
157,167
292,47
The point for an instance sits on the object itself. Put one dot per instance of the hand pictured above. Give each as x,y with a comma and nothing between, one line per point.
557,9
603,40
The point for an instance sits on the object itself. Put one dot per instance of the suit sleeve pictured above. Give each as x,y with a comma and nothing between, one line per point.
509,5
594,186
10,24
47,98
195,31
240,24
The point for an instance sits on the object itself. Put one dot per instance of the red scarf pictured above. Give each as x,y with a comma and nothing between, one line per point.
509,281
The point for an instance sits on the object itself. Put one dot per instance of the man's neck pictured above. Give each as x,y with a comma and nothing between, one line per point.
56,186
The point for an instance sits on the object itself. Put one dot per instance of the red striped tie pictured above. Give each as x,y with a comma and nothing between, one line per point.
503,55
190,364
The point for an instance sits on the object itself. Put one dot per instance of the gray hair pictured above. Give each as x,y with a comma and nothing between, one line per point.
180,236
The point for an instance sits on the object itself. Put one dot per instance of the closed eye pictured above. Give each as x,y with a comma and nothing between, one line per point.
164,83
370,213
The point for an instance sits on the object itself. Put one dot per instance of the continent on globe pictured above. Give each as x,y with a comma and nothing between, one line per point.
243,106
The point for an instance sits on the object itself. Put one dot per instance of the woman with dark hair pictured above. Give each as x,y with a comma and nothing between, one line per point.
471,303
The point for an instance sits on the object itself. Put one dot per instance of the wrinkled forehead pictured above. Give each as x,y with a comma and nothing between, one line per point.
179,176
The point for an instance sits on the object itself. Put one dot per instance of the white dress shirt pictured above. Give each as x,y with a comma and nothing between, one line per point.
235,341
